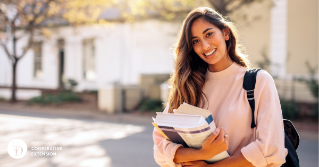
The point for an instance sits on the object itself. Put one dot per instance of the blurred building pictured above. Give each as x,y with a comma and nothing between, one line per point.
284,32
94,56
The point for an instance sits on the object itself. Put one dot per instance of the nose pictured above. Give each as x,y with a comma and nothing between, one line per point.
206,45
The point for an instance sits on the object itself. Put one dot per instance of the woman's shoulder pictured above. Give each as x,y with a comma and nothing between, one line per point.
264,79
263,75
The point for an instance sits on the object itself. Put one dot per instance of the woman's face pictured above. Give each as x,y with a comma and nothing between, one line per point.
209,42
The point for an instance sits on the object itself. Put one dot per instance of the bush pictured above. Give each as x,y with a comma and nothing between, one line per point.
58,98
151,105
289,109
2,99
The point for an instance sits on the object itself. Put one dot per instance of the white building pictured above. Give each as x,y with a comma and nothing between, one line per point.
94,56
97,56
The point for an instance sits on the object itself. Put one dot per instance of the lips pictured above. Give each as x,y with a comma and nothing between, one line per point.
210,53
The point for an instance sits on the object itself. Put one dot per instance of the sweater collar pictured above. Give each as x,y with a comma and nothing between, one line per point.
223,74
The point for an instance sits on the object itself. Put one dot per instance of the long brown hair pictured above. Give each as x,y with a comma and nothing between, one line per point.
188,77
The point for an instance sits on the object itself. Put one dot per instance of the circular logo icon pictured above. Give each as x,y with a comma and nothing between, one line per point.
17,148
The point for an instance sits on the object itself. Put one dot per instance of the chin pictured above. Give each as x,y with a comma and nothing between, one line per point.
212,62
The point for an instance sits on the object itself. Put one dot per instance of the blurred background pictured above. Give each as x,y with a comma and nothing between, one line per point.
97,71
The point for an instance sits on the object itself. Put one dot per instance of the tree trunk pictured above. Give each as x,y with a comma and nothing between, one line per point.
14,84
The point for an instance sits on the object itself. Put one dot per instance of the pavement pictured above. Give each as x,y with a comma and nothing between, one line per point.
98,139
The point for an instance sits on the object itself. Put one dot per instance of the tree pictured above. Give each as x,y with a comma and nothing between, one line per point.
27,18
226,7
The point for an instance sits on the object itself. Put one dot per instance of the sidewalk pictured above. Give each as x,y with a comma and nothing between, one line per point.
135,117
306,130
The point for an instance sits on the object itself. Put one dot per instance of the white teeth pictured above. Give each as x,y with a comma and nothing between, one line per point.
207,54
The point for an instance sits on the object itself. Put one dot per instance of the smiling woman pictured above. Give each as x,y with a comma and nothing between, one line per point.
203,31
209,73
206,38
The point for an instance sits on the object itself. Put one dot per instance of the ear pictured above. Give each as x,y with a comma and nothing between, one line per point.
226,33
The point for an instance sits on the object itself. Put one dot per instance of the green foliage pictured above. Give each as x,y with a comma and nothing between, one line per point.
312,82
56,99
151,105
265,62
289,109
2,99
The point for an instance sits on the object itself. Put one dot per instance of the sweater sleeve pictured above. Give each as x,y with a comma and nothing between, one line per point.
164,150
268,149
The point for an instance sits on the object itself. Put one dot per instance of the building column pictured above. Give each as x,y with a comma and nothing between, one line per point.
278,38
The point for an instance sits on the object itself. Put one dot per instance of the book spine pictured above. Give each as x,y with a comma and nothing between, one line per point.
173,135
163,134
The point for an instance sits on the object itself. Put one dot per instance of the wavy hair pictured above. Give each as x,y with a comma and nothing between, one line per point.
188,77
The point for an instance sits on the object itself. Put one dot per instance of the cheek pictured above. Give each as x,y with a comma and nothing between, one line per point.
197,50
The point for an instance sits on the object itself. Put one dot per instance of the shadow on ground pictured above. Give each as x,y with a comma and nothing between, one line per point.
84,142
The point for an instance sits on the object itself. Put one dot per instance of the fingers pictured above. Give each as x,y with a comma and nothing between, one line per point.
227,138
222,140
221,135
213,136
187,163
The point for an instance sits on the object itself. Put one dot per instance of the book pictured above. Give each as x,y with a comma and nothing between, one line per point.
189,126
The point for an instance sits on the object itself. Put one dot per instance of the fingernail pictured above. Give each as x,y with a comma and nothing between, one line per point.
216,131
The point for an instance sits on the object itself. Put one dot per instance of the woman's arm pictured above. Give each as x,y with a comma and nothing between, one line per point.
213,145
233,161
269,147
164,150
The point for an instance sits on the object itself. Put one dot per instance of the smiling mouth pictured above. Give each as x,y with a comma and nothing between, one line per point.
210,53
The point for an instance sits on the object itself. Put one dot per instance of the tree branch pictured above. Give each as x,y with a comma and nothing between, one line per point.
30,42
6,19
31,27
6,50
242,3
220,6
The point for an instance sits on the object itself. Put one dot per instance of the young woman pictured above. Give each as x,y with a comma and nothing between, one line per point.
209,72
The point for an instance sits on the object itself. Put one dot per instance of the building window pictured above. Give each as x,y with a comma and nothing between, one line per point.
89,72
37,50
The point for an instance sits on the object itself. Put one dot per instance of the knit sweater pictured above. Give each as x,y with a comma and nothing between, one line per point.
227,100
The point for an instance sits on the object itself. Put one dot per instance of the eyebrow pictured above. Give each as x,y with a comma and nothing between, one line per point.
204,32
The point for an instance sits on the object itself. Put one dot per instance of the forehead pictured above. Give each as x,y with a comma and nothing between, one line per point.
200,25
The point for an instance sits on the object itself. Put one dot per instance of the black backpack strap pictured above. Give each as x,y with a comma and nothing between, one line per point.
291,135
249,86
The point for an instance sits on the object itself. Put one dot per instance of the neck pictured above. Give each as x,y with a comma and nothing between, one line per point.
221,65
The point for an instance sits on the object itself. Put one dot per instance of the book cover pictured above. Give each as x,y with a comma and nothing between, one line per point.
189,126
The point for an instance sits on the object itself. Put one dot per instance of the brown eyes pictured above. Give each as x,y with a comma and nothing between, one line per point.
207,35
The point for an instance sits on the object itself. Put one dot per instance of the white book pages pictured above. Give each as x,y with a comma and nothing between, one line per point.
218,157
182,120
189,121
195,140
189,109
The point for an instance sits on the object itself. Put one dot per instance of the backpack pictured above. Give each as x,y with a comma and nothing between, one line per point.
291,135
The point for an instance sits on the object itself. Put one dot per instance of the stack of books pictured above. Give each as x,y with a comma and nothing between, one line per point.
189,126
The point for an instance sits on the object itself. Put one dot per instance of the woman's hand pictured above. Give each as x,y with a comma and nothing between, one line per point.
215,144
194,164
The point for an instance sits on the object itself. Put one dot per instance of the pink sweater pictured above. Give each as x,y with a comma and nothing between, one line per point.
263,145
